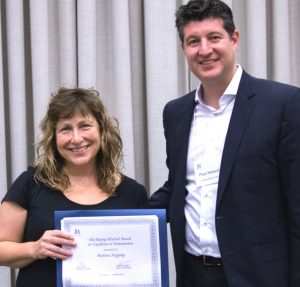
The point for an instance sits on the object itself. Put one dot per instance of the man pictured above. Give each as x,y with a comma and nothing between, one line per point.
233,154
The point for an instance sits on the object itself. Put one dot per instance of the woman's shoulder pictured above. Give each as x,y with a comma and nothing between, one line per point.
27,176
132,193
22,187
131,184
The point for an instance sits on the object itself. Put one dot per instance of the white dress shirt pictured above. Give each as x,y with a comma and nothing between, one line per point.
206,142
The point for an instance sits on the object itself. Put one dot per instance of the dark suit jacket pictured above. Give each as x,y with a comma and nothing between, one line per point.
258,202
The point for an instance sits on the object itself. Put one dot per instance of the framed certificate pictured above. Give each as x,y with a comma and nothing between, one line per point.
115,248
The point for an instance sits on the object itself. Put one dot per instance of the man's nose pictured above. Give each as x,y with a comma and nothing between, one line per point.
204,48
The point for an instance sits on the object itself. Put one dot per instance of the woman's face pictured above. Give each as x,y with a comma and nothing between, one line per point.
78,140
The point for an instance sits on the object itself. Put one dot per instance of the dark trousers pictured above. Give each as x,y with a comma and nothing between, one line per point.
196,274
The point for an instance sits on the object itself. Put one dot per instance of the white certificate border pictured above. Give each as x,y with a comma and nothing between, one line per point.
123,220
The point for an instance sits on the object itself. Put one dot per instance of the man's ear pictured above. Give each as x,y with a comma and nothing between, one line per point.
235,38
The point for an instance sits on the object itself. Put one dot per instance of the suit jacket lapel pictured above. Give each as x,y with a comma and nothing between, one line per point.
243,108
183,133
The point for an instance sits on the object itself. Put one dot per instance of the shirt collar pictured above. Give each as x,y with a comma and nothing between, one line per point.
231,89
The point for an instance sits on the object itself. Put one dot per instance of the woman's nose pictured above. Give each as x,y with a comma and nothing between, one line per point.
76,136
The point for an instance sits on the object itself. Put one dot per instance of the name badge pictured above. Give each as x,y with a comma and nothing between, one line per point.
206,176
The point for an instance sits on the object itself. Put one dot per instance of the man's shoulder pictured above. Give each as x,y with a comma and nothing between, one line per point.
180,108
265,83
187,98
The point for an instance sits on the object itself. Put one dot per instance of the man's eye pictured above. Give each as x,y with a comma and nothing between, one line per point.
192,42
215,38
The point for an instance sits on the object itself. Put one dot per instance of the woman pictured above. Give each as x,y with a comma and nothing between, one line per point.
78,167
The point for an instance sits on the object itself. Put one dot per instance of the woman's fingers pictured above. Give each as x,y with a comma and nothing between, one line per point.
59,238
55,244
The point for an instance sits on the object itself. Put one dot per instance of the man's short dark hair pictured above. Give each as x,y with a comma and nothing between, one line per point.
198,10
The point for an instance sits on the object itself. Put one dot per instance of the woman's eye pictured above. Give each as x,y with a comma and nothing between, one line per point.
64,129
85,126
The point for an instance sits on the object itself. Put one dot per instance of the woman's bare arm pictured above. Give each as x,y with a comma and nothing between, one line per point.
15,253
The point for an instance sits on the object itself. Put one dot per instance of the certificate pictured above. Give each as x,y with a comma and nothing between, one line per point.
114,248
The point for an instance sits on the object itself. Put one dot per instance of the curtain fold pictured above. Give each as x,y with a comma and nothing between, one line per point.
255,58
281,41
67,43
39,32
161,51
86,43
294,16
128,50
3,174
17,124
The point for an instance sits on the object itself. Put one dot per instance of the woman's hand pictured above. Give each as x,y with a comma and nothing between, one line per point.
50,245
17,254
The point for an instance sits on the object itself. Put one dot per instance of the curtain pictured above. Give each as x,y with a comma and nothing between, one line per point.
129,51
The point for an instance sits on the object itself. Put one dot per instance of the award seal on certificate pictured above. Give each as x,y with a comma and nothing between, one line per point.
114,248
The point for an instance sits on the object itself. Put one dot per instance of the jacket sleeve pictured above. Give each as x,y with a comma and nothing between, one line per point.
289,168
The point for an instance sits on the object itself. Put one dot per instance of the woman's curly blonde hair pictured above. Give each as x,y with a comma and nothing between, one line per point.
64,104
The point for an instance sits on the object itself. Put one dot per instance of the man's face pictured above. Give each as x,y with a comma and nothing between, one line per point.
210,51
